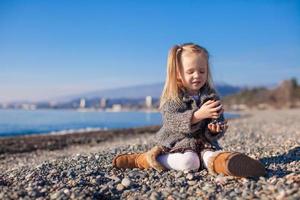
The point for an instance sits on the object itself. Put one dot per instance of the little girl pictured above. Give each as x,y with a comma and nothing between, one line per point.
193,121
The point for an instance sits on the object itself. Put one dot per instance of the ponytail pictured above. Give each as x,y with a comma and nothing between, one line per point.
171,87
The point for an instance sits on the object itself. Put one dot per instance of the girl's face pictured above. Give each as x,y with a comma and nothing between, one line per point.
193,74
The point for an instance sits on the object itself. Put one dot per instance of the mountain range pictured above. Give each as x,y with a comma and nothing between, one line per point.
140,91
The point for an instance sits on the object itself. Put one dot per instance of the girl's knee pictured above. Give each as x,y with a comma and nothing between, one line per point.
190,161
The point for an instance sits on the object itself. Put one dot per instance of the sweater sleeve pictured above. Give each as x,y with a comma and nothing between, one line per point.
176,118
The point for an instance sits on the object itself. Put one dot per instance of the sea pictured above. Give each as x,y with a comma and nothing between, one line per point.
27,122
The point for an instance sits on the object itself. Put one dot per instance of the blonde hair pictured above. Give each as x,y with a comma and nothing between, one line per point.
172,86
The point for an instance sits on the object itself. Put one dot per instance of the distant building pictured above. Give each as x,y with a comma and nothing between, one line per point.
52,104
148,101
82,103
103,103
26,106
116,107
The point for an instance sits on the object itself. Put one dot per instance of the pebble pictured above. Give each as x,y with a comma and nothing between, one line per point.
221,180
126,182
115,178
55,195
191,182
154,196
66,191
189,176
120,187
104,189
178,174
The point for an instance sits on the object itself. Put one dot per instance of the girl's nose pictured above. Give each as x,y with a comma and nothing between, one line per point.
196,74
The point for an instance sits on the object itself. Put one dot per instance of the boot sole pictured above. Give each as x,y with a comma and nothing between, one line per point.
241,165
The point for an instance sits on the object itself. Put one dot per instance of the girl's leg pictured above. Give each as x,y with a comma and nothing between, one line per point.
232,163
188,160
206,156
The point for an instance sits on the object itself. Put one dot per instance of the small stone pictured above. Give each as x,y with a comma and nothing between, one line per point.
113,151
154,196
78,167
191,182
145,188
244,180
170,197
71,174
252,186
66,191
221,180
168,183
136,174
232,194
181,180
117,180
189,176
29,176
44,190
165,193
120,187
53,171
182,190
55,195
126,182
281,194
237,190
104,189
262,178
179,174
72,183
244,194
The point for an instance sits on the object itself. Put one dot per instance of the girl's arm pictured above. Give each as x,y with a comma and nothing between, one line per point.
197,117
209,109
176,118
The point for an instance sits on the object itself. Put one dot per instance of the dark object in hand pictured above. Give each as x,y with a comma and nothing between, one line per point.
213,97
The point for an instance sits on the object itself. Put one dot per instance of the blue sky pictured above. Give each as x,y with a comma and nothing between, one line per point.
54,48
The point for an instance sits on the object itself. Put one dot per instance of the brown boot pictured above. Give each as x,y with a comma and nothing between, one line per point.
236,164
140,160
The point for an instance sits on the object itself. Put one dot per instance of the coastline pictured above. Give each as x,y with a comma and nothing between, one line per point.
62,139
79,170
28,143
90,123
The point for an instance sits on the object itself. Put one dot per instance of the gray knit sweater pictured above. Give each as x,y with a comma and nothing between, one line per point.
177,132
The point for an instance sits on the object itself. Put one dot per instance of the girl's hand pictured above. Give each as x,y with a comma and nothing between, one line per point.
217,128
210,109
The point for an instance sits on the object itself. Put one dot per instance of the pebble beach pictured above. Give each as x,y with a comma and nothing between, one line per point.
83,170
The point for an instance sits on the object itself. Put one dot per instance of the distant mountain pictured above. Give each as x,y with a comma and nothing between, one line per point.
141,91
225,89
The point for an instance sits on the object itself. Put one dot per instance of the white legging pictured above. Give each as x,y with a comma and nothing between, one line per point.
188,160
